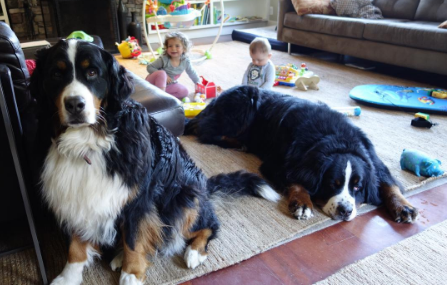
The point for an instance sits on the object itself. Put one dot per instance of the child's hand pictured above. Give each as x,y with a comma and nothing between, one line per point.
169,80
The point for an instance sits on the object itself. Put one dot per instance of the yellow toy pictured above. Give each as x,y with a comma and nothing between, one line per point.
193,109
439,94
129,48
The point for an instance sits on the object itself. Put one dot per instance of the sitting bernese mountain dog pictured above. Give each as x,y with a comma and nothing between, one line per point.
308,151
113,176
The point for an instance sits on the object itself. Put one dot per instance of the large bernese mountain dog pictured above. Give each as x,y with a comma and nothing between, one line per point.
113,176
308,151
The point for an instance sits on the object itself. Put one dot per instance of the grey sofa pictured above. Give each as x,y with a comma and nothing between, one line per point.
408,35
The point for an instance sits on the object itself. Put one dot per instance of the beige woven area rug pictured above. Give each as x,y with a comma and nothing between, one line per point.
420,259
250,225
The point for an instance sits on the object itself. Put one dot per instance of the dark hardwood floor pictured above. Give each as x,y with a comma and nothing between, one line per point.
314,257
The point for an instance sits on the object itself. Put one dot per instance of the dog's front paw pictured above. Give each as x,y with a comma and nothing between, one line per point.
117,262
64,280
129,279
193,258
71,275
300,211
404,213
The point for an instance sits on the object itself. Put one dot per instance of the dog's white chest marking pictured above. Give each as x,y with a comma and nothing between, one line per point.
84,197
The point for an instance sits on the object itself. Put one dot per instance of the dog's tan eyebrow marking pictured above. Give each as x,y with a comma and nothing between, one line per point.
85,63
61,65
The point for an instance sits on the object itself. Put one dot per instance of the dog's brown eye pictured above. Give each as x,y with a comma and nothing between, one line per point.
91,73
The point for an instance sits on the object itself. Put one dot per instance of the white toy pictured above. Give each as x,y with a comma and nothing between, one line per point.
307,82
199,98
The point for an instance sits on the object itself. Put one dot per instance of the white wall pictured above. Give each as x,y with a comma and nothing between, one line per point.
274,4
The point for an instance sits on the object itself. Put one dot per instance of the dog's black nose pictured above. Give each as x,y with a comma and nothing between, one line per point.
74,105
344,211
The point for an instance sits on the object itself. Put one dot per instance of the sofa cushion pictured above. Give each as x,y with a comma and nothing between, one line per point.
324,24
304,7
416,34
397,9
432,10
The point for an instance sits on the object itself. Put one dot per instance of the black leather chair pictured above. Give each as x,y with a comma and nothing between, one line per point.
18,166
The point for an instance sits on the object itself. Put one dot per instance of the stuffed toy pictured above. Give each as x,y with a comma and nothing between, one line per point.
420,163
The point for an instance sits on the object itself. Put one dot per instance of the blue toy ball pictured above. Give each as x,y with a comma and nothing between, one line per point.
420,163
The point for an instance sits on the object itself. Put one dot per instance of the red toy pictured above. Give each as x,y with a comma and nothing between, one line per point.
207,88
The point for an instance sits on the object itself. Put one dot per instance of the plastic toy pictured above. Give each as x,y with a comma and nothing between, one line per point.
193,109
287,74
186,100
207,88
199,98
422,115
439,94
303,69
81,36
400,98
129,48
420,163
349,111
305,82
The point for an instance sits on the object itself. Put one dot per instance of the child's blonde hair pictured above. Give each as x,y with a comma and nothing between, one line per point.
187,45
260,45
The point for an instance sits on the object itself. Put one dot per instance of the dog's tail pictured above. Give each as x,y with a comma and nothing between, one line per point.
241,183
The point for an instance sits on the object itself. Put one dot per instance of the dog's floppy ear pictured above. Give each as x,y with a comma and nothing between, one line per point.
370,179
310,170
36,82
371,186
120,83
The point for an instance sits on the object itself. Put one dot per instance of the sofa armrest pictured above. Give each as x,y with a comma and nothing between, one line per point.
166,109
285,6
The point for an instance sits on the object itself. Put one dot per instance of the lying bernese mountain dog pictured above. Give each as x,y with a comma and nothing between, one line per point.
113,176
308,151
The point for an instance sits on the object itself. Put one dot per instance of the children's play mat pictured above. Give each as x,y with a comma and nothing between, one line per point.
418,99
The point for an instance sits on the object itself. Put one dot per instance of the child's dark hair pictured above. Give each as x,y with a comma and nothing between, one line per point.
187,45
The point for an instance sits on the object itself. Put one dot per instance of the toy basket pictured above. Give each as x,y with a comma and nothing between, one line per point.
193,109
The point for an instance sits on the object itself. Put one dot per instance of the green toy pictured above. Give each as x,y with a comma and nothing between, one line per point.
81,36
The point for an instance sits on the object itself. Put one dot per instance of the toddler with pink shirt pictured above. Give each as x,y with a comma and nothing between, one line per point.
165,71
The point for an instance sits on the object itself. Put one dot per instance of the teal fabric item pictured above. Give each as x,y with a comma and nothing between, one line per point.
420,163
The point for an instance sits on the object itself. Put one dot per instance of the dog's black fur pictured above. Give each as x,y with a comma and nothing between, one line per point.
302,144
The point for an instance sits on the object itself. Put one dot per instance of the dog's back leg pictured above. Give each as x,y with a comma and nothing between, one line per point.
147,240
196,253
204,230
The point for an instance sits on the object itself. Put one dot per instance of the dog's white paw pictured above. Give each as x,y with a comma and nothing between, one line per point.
71,275
193,258
117,262
129,279
303,213
62,280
